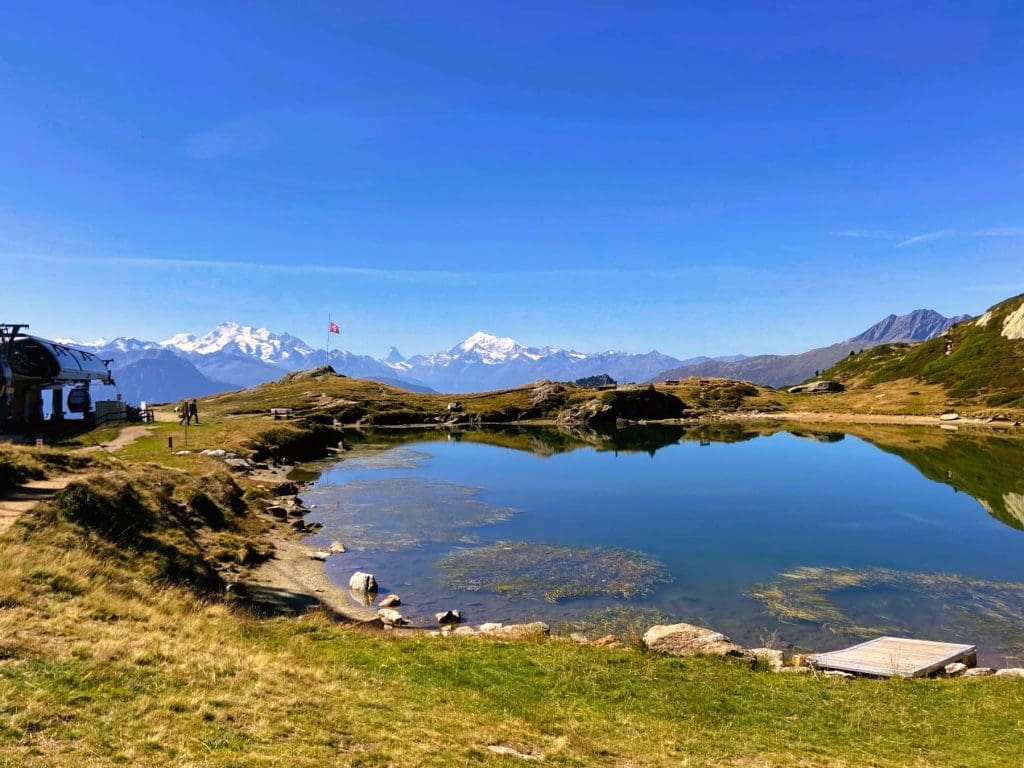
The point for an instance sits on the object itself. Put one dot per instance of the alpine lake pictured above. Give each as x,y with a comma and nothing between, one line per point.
776,534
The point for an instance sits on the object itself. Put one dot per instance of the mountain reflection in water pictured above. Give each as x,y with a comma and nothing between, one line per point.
742,526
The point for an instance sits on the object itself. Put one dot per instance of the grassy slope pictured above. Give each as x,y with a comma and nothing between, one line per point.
983,368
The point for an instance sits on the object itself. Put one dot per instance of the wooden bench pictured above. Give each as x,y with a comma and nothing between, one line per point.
281,413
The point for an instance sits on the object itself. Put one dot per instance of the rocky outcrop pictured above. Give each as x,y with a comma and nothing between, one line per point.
691,640
637,404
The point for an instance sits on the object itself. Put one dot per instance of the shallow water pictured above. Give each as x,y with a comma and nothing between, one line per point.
729,522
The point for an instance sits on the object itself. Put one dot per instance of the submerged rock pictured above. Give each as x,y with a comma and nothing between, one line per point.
391,601
690,640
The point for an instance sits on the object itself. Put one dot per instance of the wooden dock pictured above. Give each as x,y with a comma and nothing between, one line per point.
895,656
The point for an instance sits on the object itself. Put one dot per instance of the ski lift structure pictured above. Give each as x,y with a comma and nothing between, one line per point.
31,367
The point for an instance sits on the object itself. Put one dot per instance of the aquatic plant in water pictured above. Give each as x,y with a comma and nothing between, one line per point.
402,512
626,622
552,572
964,605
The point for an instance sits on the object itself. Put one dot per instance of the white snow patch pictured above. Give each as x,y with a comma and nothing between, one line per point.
1013,325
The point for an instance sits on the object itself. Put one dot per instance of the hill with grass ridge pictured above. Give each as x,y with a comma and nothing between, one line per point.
979,362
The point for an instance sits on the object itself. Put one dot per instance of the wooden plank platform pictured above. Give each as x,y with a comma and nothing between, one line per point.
895,656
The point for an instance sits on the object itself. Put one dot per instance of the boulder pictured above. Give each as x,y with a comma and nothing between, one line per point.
799,660
391,601
285,489
449,617
1010,672
391,617
319,554
277,511
608,641
337,548
463,632
956,669
490,626
979,672
690,640
362,582
771,658
532,631
217,453
238,465
579,638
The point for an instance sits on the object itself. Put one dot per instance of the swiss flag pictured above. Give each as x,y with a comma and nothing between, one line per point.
334,327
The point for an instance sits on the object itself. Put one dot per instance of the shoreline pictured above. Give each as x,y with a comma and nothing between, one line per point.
294,582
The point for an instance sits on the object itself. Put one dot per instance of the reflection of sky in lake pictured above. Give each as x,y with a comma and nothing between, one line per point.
721,517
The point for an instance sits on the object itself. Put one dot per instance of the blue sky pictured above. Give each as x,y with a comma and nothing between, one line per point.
701,178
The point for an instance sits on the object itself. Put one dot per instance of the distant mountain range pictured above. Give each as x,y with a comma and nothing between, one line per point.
779,370
233,356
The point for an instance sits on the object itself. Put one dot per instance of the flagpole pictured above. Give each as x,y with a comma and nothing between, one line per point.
327,361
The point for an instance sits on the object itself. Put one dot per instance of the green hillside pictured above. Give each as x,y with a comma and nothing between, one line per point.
975,361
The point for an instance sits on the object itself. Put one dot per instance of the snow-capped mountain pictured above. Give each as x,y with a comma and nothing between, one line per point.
484,361
260,343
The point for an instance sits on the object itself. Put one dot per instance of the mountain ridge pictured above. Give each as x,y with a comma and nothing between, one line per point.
781,370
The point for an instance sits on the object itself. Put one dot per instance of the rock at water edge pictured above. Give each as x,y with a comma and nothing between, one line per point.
690,640
362,582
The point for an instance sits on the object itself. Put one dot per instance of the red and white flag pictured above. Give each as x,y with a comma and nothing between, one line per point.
333,327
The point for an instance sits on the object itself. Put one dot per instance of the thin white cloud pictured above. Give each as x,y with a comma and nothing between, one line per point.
999,232
927,237
398,275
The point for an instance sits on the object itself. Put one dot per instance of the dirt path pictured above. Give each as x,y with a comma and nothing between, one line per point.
24,497
124,438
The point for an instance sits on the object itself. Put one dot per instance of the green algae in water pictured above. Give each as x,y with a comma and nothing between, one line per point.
552,572
962,606
405,512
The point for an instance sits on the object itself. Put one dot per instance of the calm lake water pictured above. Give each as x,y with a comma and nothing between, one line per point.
813,540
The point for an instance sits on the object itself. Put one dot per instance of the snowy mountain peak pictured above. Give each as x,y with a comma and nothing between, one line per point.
394,356
498,347
260,343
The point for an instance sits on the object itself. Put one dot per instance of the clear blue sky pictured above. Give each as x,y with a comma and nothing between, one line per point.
703,178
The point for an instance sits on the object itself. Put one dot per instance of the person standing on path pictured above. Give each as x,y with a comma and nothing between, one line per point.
193,412
185,416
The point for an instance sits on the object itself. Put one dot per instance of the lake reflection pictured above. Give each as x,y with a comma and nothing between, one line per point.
729,512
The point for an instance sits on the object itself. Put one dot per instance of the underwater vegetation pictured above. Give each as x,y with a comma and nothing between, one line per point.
552,572
963,606
403,512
